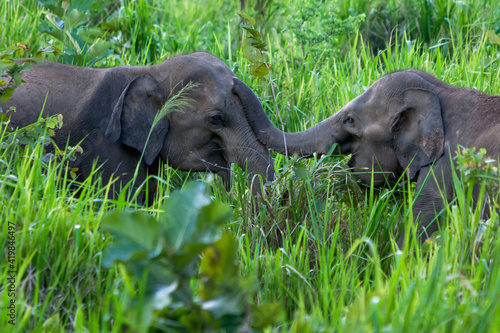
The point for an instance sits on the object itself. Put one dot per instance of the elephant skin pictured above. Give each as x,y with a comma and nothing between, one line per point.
407,121
111,111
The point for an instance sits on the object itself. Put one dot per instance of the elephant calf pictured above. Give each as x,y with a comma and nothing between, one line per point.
406,121
112,110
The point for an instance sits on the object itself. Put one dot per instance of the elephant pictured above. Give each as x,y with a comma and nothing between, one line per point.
111,112
407,122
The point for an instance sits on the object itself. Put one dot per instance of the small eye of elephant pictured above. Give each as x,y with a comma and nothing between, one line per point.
396,125
217,119
349,120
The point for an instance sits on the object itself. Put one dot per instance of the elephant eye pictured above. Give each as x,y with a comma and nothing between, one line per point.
217,119
396,125
349,120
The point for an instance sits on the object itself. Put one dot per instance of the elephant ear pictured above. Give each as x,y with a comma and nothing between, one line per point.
418,130
134,115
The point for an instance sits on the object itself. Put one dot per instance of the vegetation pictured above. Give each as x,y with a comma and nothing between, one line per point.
322,245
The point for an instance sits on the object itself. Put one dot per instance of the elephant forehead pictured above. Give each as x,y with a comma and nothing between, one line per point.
202,68
366,103
380,97
213,97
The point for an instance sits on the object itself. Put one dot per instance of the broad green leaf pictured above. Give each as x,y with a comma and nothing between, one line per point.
7,93
57,33
251,53
492,37
123,250
190,321
219,260
259,70
52,5
24,140
181,215
30,62
301,171
257,43
218,267
26,66
81,5
97,49
8,52
3,117
162,297
228,304
74,17
247,18
17,76
264,315
138,314
207,231
136,236
256,34
210,219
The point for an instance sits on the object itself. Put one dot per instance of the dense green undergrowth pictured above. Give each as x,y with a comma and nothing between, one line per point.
321,252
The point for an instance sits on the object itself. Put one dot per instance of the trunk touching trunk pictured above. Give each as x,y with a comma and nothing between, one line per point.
249,152
317,139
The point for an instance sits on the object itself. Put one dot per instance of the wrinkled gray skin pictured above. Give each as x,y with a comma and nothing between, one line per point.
112,111
405,121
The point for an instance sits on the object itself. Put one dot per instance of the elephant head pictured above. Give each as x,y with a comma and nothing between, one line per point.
395,125
208,135
406,121
111,112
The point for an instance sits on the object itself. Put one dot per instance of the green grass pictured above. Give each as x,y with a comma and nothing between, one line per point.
323,245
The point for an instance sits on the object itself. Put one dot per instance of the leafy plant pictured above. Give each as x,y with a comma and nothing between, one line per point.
11,71
253,47
476,166
264,12
164,254
68,22
317,21
479,173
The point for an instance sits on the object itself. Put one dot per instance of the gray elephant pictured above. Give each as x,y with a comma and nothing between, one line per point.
406,121
112,111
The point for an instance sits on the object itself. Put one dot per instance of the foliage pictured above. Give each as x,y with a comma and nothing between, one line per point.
475,167
493,38
322,245
316,21
479,188
253,47
435,23
265,12
165,255
38,133
67,21
11,71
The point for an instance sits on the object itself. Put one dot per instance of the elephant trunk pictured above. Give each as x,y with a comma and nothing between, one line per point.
258,162
254,159
245,149
305,143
